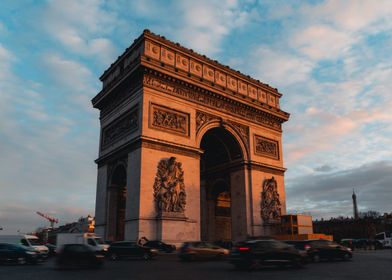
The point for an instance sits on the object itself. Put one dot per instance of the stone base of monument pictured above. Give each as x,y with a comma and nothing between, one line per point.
175,228
272,228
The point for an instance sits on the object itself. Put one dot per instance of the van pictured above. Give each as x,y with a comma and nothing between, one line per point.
30,241
81,238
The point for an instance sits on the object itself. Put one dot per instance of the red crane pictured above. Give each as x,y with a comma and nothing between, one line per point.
52,220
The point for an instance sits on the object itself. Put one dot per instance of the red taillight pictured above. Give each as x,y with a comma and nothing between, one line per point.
307,247
243,248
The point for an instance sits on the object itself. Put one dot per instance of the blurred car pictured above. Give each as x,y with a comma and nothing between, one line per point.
78,256
19,254
52,249
128,249
323,249
199,250
254,254
160,246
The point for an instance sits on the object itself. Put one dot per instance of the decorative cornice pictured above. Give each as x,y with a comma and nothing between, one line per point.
151,49
151,143
189,92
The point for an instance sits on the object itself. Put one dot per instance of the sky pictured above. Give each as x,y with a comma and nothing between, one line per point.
332,61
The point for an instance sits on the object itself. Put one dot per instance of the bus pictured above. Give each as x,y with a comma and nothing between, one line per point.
384,238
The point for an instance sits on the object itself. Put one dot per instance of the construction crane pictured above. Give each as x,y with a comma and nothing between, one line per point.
49,218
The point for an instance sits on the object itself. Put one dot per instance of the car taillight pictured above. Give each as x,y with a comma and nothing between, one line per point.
243,248
307,247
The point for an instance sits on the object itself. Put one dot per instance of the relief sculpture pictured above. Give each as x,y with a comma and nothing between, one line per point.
169,120
270,203
169,188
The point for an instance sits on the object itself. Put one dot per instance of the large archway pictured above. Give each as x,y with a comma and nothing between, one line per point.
117,204
222,154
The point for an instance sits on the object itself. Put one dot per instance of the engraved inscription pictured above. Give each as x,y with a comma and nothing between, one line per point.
169,120
266,147
214,101
120,128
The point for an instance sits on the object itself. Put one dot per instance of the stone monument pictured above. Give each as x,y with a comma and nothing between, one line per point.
189,149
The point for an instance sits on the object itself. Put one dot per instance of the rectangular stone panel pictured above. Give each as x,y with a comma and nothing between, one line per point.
120,128
182,62
232,83
196,68
266,147
208,73
262,96
220,78
252,92
242,87
167,56
271,100
168,120
152,50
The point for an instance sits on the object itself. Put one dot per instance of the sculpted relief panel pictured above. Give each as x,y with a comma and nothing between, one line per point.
120,128
169,120
169,187
270,204
266,147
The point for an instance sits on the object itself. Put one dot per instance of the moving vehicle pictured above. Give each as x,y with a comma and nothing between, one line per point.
200,250
321,249
18,254
128,249
79,255
30,241
384,238
254,254
160,246
81,238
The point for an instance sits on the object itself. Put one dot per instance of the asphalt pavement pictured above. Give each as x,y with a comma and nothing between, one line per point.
375,265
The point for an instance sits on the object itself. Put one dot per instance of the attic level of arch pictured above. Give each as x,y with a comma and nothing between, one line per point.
156,53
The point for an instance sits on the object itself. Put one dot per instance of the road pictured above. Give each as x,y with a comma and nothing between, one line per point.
375,265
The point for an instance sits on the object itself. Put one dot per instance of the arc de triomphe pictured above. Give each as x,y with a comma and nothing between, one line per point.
190,149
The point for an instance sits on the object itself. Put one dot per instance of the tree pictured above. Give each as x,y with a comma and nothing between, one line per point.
370,214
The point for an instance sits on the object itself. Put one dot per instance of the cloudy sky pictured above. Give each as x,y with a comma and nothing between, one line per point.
332,60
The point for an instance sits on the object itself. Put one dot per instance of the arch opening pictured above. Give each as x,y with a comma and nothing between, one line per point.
221,154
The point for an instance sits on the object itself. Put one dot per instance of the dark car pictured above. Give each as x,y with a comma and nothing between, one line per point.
19,254
78,256
127,249
200,250
254,254
52,249
160,246
323,249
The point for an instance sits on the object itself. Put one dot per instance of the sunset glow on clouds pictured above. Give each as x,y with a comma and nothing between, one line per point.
330,59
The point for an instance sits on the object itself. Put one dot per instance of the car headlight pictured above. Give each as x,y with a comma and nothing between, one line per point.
31,253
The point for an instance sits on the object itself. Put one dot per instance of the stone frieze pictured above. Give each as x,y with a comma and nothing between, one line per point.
266,147
120,128
169,120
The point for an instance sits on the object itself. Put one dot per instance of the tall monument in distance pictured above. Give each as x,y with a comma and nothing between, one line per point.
354,196
190,149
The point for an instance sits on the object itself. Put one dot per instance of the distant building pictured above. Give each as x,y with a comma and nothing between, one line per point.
362,227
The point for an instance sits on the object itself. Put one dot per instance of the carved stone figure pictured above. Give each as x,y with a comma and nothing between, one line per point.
270,203
169,188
